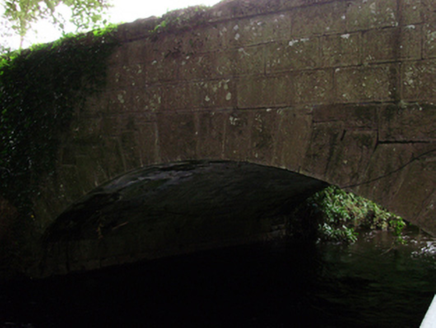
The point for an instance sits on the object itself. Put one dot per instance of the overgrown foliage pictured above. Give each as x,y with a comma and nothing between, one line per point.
338,215
20,15
181,19
39,90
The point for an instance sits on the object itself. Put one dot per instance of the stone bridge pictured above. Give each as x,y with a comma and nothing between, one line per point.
339,91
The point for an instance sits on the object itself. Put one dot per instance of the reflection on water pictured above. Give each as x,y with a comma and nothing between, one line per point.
279,284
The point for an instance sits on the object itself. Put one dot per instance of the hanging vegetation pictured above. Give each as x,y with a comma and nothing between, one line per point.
40,88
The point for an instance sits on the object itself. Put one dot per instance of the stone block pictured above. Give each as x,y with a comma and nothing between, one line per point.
120,100
186,42
313,87
425,218
113,161
149,99
211,129
368,14
392,44
259,29
430,40
131,150
181,96
260,91
321,146
118,55
411,42
351,157
237,140
367,83
97,103
362,117
69,177
294,128
137,99
412,11
339,155
177,136
263,135
98,161
340,50
290,4
127,76
146,136
216,94
386,172
233,9
321,19
428,10
418,81
87,130
408,123
110,126
210,38
199,66
162,68
404,182
137,52
249,60
292,55
92,170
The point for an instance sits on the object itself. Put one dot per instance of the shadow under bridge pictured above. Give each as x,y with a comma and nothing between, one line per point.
170,209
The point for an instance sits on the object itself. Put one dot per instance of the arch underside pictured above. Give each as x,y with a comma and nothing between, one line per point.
175,208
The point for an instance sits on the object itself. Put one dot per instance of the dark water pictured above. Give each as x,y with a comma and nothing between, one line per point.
277,284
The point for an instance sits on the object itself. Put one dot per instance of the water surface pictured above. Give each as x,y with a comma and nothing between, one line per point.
274,284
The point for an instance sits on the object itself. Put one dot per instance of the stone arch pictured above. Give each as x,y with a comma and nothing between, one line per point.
338,91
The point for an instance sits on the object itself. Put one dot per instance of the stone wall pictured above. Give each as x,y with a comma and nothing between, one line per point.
342,91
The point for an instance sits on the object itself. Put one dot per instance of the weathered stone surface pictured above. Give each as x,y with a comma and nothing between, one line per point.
259,91
353,117
171,126
392,43
418,205
201,66
368,14
263,135
180,96
292,55
147,141
238,135
248,60
389,167
320,19
370,83
259,29
412,11
411,123
350,156
429,41
418,81
221,94
294,129
314,87
211,132
341,50
323,140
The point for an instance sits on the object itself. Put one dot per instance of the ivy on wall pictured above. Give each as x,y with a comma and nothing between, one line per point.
40,88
